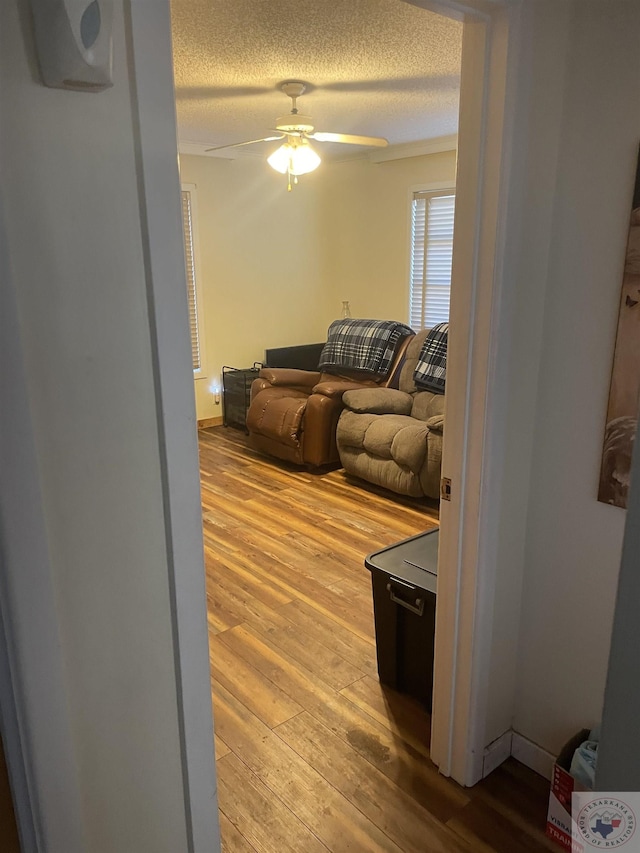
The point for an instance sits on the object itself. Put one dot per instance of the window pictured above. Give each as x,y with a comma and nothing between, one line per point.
431,253
193,291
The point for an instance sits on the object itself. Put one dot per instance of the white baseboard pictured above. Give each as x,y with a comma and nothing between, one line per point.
525,751
532,755
497,752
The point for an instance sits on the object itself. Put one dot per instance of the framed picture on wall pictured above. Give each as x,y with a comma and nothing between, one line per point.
624,394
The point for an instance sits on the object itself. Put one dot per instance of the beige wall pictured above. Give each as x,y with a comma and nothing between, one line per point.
368,220
260,264
275,266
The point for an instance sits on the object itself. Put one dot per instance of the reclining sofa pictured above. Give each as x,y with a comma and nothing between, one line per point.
293,414
393,438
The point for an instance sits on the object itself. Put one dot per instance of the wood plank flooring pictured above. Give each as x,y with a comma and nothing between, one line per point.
313,754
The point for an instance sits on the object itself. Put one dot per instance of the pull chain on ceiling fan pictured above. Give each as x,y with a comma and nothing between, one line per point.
296,156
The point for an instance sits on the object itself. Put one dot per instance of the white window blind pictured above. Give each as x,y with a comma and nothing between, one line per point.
431,253
189,253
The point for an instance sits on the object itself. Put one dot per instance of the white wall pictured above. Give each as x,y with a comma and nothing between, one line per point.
275,265
69,180
580,140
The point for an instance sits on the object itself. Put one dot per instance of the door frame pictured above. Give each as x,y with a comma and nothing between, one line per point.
475,394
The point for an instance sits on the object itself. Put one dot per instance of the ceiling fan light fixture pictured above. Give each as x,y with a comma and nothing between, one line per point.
279,160
304,159
294,158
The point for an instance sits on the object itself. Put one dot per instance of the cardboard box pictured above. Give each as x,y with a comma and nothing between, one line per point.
562,786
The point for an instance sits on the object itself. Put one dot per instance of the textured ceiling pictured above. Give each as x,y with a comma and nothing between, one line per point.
374,67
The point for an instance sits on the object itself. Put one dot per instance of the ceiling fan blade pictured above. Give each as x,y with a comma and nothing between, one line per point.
349,138
250,142
410,85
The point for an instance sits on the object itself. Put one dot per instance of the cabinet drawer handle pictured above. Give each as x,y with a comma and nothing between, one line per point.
417,608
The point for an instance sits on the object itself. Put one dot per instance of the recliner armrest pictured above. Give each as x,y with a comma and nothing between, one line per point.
335,387
436,423
290,376
378,401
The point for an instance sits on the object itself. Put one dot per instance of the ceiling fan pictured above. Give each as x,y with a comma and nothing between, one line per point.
296,157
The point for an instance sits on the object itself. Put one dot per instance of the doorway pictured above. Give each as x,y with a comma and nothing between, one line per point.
481,162
251,648
473,311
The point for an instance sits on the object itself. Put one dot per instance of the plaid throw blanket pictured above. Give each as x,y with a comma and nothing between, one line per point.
431,370
366,345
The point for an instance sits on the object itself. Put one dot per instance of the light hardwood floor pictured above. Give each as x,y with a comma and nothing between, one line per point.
312,753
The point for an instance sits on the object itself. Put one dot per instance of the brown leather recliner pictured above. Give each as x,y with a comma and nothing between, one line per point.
294,413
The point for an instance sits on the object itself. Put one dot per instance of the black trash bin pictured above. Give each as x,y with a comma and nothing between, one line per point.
403,579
